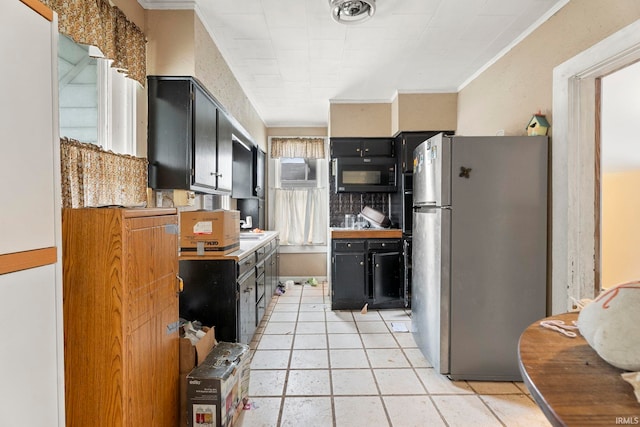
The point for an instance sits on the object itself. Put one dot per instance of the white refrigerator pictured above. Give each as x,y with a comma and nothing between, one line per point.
479,251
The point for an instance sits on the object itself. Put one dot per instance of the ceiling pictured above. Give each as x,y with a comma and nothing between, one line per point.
292,60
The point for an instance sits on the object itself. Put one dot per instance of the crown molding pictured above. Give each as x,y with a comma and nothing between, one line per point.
169,4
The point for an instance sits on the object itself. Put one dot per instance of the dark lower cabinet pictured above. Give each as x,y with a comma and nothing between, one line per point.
367,271
348,289
230,295
211,296
247,319
386,283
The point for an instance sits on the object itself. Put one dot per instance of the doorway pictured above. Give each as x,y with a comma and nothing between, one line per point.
619,177
575,248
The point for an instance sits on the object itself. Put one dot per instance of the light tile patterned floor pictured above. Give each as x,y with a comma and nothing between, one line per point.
315,367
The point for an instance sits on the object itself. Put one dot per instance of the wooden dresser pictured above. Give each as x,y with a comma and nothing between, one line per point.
120,292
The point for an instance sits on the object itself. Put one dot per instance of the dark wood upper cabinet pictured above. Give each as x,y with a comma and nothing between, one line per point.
259,159
242,170
406,142
225,153
362,147
204,140
189,137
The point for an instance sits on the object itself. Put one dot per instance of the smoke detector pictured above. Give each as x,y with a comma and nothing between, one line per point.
352,11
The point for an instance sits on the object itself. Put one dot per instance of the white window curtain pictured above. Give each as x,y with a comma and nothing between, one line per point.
300,216
300,213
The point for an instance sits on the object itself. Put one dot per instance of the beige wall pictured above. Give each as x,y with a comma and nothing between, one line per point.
307,265
212,70
406,112
506,95
135,13
370,120
620,227
426,111
170,53
179,44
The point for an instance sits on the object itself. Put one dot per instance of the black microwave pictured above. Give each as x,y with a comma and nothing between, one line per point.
365,174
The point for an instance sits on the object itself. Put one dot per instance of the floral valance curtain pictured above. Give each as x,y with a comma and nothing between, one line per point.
94,177
97,23
310,148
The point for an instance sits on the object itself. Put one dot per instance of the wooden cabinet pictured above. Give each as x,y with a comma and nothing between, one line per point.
189,138
366,271
362,147
120,293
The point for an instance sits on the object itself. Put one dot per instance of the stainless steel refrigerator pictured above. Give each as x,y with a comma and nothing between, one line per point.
479,251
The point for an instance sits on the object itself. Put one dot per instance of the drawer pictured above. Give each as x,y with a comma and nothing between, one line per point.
387,245
273,245
246,264
349,246
261,252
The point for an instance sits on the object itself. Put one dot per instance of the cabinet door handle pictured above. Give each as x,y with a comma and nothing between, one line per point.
348,245
377,265
361,262
180,284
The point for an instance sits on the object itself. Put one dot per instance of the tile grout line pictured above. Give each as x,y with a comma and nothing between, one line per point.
288,370
380,396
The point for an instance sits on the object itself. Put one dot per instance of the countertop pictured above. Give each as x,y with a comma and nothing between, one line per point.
247,247
366,233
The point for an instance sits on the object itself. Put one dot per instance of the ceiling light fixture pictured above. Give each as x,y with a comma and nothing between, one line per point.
352,11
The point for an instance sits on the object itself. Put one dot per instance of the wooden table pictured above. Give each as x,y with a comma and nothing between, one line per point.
569,381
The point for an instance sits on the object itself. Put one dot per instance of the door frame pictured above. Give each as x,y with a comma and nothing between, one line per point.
575,163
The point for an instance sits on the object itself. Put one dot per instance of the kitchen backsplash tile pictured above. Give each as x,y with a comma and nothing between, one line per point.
352,203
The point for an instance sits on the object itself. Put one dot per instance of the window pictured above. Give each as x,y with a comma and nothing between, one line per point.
298,199
97,103
296,172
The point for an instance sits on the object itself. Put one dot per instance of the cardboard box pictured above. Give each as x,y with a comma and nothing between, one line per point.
190,357
193,355
205,233
217,389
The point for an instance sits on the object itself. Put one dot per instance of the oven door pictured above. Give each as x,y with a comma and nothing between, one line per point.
365,175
